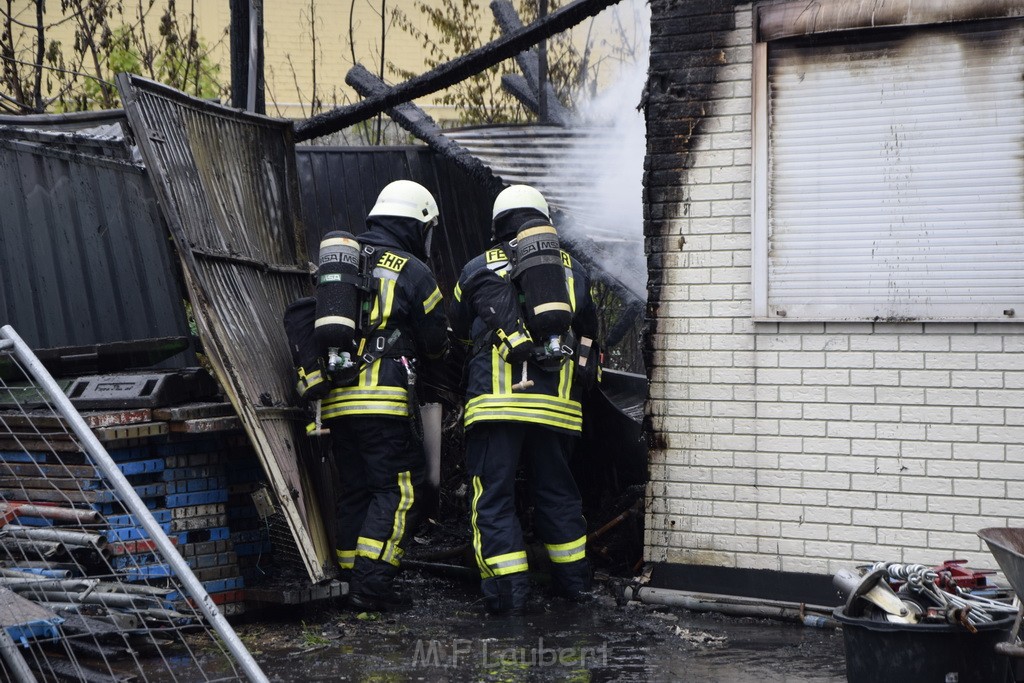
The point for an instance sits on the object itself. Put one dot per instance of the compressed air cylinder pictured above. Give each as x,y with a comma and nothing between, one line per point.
541,277
337,293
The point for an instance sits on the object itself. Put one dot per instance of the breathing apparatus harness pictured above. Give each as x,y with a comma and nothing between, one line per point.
333,344
537,271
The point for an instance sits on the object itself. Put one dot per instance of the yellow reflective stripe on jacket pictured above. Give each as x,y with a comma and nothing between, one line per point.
527,416
365,400
346,558
478,490
570,283
502,373
392,553
383,302
506,413
565,375
509,342
369,548
509,563
369,375
457,292
432,301
567,552
308,380
381,393
387,409
565,406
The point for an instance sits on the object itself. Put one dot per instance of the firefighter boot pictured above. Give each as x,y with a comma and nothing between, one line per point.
506,595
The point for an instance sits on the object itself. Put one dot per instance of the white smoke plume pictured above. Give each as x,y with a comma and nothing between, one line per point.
611,166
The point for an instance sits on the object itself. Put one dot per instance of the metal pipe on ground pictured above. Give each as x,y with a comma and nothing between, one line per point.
33,576
78,538
818,616
22,585
114,620
23,547
58,514
22,581
120,600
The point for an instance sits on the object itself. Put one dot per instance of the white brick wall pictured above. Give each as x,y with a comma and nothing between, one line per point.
814,446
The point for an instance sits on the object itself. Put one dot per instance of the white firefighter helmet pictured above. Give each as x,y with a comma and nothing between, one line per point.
519,197
408,199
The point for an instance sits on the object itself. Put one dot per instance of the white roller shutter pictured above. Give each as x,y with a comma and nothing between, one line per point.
896,176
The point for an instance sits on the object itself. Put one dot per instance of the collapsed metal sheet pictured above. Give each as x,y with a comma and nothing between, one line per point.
227,185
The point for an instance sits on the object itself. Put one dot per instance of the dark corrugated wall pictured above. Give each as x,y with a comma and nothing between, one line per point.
84,255
339,185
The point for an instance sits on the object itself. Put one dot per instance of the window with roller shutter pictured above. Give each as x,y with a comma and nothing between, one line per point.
888,171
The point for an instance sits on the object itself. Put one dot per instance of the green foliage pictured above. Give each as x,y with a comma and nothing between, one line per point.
110,36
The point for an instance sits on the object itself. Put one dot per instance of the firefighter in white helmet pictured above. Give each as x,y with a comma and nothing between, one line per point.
378,456
523,398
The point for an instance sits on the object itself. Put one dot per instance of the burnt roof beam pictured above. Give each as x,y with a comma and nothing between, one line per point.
519,88
452,72
507,19
419,123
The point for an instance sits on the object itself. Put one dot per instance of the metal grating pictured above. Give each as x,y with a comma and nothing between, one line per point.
92,584
227,186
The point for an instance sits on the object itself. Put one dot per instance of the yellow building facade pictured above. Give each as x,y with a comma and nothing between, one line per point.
309,45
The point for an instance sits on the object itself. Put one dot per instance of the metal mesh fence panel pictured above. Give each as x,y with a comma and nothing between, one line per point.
91,586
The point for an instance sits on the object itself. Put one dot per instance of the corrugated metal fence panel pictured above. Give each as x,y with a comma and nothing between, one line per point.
896,175
84,255
558,161
227,186
339,185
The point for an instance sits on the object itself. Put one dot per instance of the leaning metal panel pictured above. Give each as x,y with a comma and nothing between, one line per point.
91,586
226,184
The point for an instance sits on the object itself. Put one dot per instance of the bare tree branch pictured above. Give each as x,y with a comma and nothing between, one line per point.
7,15
58,69
11,73
352,32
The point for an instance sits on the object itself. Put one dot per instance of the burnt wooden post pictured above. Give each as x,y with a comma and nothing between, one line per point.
419,123
542,99
242,54
452,72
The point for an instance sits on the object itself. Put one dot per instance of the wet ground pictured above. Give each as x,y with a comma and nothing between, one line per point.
447,636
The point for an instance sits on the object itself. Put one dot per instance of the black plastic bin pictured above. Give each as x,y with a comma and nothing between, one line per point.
883,652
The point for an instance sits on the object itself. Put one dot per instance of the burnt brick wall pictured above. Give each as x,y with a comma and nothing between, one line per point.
692,41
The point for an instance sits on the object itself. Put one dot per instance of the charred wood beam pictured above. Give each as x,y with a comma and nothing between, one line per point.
454,71
508,21
418,122
519,88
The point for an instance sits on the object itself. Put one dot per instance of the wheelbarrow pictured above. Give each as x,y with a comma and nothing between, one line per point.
1007,546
